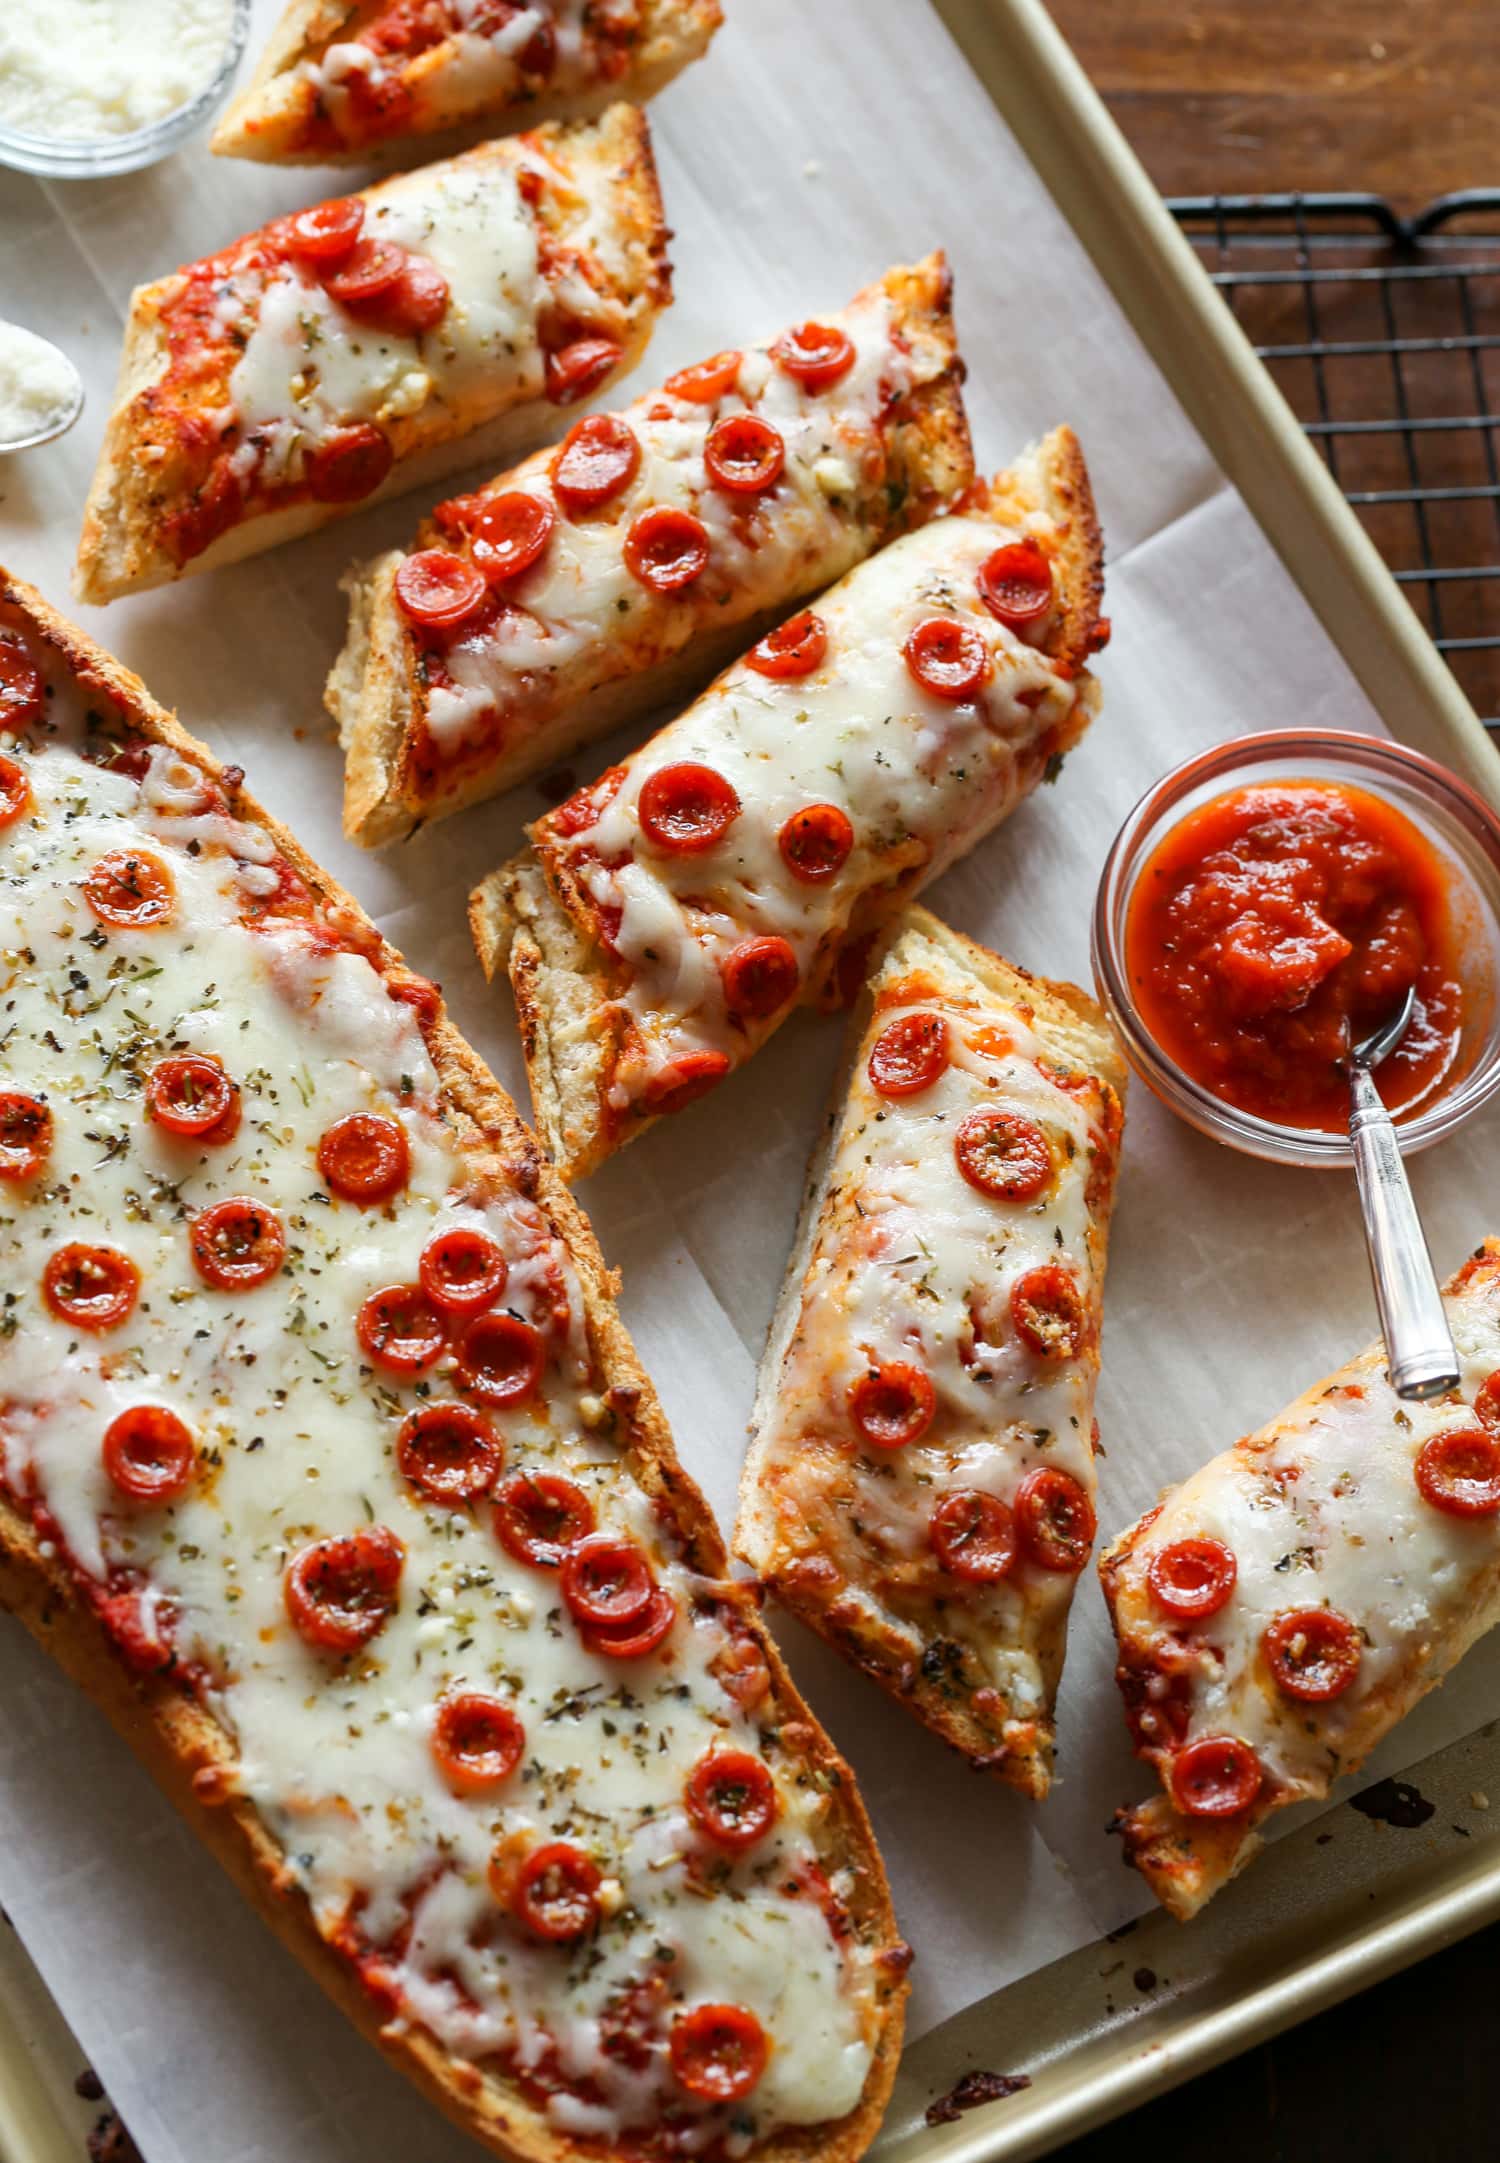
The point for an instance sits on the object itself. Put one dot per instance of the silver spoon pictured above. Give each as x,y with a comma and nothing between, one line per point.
65,415
1418,1342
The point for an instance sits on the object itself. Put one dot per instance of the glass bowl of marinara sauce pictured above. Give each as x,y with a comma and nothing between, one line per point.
1271,900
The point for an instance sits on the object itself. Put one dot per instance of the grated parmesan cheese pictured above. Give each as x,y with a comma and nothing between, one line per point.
84,70
38,385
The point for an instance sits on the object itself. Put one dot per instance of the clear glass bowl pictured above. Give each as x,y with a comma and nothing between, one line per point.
60,157
1457,821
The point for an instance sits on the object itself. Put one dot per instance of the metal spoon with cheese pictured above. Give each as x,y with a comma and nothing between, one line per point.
41,392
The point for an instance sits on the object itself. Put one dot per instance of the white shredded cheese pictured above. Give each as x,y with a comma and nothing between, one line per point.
83,70
38,385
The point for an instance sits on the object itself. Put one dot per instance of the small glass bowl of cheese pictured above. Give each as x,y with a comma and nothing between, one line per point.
90,88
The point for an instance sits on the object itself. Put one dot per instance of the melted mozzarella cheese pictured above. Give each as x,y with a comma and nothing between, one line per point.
309,367
295,1435
581,618
1322,1509
919,777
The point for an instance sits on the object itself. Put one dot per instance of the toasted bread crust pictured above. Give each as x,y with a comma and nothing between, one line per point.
175,1738
140,471
267,120
563,981
1075,1030
376,691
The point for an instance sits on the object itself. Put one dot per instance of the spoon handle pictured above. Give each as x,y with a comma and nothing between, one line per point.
1418,1342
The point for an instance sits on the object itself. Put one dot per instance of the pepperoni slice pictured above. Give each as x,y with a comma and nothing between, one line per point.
1217,1777
342,1592
686,809
683,1080
793,649
666,549
705,383
237,1244
948,658
463,1271
633,1640
539,1516
1003,1154
350,465
815,843
556,1892
501,1359
606,1581
1054,1519
365,1157
189,1095
129,888
440,591
371,268
450,1452
1314,1653
1459,1472
1487,1402
510,534
416,303
576,369
741,1671
744,454
910,1056
401,1330
892,1405
760,975
23,694
91,1287
973,1535
1015,584
25,1135
15,788
149,1454
731,1797
476,1740
718,2052
816,354
599,457
1047,1308
327,233
1192,1578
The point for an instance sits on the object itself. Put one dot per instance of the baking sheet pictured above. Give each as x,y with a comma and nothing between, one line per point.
809,151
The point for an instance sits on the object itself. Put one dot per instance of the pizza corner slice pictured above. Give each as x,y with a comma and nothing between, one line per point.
615,573
920,1486
1280,1612
327,1468
346,79
668,918
371,344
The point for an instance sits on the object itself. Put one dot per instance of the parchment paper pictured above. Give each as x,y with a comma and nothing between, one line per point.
816,145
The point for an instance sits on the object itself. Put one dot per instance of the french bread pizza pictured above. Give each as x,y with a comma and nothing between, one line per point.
668,918
355,78
920,1483
1281,1611
372,344
619,570
326,1467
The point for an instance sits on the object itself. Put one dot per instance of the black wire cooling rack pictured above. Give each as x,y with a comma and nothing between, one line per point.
1383,334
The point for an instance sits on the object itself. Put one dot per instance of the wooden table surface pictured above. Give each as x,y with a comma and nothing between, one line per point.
1251,97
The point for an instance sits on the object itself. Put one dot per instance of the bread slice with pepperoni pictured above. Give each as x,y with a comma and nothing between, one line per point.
1282,1610
603,579
920,1484
666,920
328,1470
343,79
373,344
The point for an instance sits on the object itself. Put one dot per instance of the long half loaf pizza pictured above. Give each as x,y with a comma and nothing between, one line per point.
1282,1610
327,1468
920,1484
372,344
667,919
617,572
359,78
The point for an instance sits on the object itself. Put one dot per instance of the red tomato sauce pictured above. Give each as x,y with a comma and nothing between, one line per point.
1278,924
